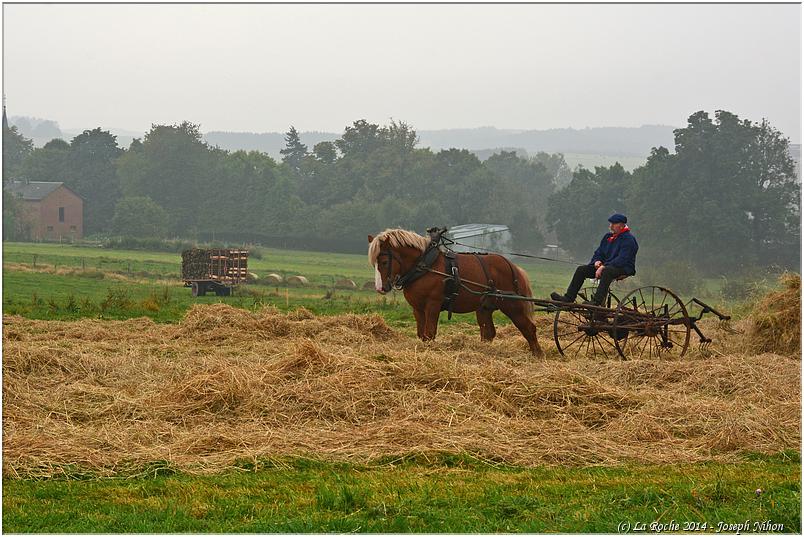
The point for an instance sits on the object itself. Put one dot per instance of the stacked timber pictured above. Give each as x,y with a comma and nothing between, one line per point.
221,264
195,264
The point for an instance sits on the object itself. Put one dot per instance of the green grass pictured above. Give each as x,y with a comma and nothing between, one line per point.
450,494
318,267
64,297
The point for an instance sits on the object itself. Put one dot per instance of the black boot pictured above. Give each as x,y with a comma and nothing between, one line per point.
560,298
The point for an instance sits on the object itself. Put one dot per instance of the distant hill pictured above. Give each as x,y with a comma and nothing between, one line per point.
41,131
589,147
267,142
613,141
609,141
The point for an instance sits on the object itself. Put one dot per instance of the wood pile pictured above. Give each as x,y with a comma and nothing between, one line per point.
223,265
195,264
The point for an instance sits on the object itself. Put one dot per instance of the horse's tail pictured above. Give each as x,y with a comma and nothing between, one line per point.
524,288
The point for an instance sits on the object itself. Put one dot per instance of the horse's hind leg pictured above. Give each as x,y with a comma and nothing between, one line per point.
486,323
525,325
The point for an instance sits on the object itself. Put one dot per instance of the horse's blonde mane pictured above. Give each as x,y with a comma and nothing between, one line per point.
396,238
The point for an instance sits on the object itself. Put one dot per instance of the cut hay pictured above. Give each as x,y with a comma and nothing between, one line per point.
227,384
297,281
345,284
776,319
273,279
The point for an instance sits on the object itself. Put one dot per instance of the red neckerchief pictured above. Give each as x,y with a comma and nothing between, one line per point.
615,235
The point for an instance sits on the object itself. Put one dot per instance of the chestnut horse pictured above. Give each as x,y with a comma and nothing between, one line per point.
395,254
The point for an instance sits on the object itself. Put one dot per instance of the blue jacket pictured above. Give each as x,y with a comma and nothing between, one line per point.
620,253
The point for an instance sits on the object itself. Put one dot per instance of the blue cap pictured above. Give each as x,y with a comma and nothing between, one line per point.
618,218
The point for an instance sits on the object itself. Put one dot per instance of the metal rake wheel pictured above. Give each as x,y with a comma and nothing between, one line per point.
651,322
577,331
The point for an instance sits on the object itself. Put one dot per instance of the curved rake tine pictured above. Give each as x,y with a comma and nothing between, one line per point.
726,326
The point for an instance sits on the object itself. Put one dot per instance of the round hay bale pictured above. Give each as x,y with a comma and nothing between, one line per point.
297,280
251,277
273,279
346,284
368,285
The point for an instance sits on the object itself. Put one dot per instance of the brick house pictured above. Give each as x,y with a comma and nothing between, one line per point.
53,211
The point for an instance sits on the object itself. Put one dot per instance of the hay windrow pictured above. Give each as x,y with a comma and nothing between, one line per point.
226,384
776,319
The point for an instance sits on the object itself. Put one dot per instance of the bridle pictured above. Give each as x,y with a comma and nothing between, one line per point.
392,256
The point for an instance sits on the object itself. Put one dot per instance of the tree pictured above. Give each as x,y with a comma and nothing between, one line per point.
556,166
530,186
48,163
361,137
15,148
175,167
727,200
93,176
16,220
242,193
325,152
294,151
139,217
578,212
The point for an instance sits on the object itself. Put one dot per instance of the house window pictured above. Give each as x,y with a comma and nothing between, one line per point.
72,228
61,214
50,228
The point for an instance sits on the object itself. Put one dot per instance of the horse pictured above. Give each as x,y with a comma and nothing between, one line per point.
398,257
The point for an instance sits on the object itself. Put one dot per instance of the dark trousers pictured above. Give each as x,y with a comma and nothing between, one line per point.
588,271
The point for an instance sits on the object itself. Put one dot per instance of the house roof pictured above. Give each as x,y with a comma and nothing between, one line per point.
34,190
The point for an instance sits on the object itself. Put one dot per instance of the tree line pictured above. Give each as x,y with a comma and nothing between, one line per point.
728,195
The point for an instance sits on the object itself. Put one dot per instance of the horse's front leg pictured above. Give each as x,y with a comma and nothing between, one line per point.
419,315
431,312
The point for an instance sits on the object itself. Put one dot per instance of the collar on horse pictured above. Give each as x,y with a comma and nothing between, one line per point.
423,263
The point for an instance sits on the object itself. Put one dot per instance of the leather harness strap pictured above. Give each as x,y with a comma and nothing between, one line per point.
452,278
513,274
422,267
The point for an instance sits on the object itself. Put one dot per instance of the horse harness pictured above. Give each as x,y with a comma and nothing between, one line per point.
452,278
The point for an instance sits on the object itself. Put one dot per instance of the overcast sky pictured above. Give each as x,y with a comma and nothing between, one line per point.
261,68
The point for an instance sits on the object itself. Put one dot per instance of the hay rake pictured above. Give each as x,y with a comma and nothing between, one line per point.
648,322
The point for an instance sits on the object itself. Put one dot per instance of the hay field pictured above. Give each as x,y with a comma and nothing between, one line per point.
227,384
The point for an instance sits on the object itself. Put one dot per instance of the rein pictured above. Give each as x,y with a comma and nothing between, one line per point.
517,254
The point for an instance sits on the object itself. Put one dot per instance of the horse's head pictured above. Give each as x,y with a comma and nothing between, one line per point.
393,253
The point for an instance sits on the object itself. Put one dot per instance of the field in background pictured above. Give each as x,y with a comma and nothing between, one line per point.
589,161
51,281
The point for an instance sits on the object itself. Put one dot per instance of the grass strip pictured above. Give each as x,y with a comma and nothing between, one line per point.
447,494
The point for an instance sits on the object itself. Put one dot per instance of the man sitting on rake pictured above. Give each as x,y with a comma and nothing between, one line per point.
614,259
